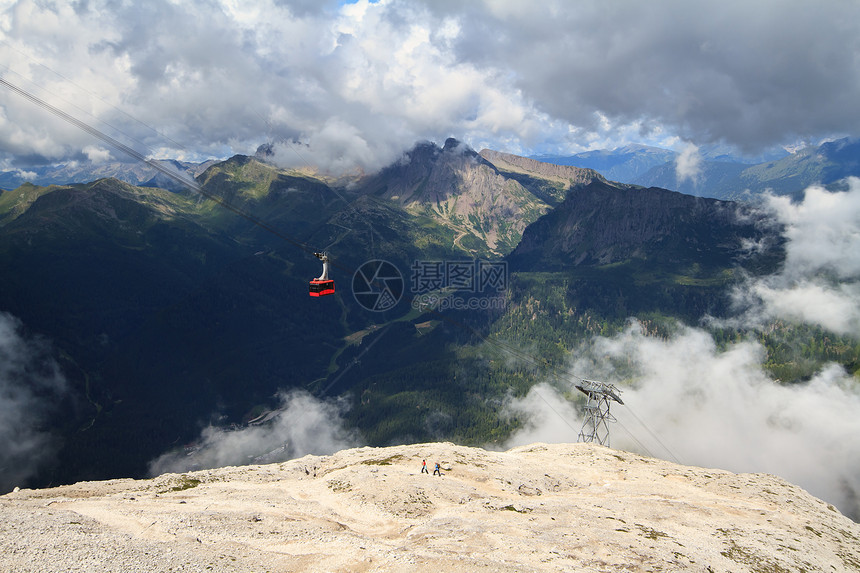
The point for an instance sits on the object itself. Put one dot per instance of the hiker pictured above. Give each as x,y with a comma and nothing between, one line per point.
424,469
436,470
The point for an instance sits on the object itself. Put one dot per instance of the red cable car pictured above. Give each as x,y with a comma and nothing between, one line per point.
322,285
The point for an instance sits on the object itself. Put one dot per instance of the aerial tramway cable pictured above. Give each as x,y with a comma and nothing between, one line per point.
65,79
176,176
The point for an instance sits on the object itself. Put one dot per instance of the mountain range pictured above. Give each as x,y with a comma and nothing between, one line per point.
715,173
170,312
84,172
624,164
722,176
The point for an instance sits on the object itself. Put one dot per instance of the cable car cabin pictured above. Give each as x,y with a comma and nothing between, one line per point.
319,287
322,285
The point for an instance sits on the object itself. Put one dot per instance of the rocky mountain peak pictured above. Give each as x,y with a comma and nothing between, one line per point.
450,143
457,147
563,507
457,186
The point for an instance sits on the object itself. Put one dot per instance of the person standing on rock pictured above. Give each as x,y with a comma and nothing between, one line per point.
436,471
424,469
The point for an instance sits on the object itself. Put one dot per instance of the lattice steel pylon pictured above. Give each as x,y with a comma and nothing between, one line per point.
595,427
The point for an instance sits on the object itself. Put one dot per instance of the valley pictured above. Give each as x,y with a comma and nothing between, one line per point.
168,314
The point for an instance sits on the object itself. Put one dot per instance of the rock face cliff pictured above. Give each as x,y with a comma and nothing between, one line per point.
565,175
575,507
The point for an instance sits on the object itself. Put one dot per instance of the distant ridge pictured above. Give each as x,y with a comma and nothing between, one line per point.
604,223
722,176
567,174
624,164
85,172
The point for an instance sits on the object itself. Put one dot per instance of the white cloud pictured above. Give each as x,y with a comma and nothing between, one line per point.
302,425
97,154
823,231
688,164
221,78
820,279
26,175
30,384
833,307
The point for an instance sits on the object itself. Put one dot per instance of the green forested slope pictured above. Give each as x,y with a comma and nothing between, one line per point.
167,312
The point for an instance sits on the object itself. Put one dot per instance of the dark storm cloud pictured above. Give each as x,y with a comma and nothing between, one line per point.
753,74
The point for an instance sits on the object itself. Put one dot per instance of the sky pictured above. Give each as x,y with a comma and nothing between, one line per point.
346,85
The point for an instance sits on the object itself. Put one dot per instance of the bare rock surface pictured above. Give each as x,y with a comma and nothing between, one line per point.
568,507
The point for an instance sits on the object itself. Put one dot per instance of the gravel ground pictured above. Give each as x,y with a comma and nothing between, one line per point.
574,507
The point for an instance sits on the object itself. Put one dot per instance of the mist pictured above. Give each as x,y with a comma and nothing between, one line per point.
31,384
819,282
303,424
548,417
